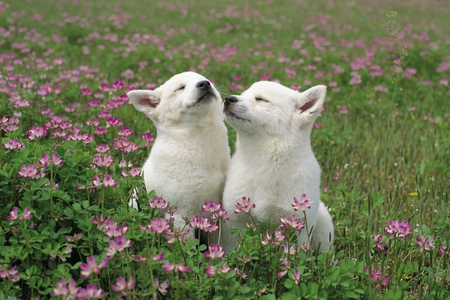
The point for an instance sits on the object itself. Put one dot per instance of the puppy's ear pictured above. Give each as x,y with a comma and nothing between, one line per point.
310,102
144,100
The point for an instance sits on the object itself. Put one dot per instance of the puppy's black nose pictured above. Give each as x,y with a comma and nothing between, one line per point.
204,85
230,99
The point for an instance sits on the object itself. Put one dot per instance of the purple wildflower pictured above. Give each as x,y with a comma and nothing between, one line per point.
245,206
91,266
398,229
302,205
214,251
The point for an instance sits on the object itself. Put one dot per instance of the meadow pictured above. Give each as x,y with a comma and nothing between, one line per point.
71,147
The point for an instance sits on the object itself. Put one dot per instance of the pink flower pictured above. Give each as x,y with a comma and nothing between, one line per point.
180,267
214,251
64,291
203,224
148,138
13,144
292,222
125,132
159,226
86,92
103,161
285,266
376,276
211,271
220,214
444,250
91,266
27,215
398,229
159,203
302,205
112,230
13,214
297,277
210,206
379,245
245,206
29,171
46,161
11,274
380,88
36,132
91,291
96,182
118,245
409,72
177,234
108,181
123,285
426,245
102,148
266,76
444,66
162,288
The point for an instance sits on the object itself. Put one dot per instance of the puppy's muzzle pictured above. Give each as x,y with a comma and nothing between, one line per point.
230,99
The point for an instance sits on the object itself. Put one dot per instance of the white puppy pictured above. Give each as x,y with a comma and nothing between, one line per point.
189,159
274,162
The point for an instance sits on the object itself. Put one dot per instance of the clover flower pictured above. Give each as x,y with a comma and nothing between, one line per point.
211,271
92,266
303,204
378,244
11,274
214,251
292,222
13,144
36,132
14,214
398,229
245,206
162,288
29,171
122,285
64,290
376,275
159,226
117,245
179,267
203,224
159,203
426,245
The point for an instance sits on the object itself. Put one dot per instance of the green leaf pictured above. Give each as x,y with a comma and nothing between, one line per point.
69,212
351,295
288,283
77,207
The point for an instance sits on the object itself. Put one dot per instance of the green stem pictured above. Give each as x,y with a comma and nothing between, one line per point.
220,231
182,252
103,199
51,190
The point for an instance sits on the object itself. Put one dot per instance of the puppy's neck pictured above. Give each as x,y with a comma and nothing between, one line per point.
274,147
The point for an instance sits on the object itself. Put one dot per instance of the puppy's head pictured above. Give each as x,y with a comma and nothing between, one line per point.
186,97
269,107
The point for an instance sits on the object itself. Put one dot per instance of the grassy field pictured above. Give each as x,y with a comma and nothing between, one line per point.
68,163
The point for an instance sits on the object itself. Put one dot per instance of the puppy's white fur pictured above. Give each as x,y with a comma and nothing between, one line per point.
189,159
274,161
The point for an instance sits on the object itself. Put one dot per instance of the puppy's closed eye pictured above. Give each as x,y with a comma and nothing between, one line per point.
261,99
180,88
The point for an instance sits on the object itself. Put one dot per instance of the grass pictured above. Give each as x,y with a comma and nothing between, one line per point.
384,134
